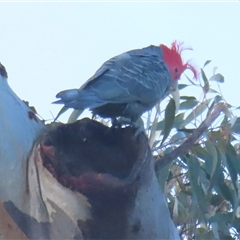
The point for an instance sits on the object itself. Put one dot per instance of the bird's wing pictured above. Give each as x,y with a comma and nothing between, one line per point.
134,76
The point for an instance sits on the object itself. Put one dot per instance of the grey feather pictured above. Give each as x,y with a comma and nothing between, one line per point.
126,85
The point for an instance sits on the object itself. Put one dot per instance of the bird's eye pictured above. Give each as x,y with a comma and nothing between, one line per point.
176,70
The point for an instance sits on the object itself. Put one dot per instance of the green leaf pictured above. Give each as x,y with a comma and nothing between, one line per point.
189,104
193,83
224,122
216,158
236,126
193,171
214,136
153,132
183,206
187,130
232,158
178,138
232,167
226,111
211,149
163,174
222,217
160,125
215,101
203,234
187,98
178,120
182,86
215,231
213,91
169,119
200,152
196,112
224,221
222,188
206,82
206,63
217,78
212,163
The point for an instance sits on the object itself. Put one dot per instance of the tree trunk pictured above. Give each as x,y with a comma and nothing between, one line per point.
75,181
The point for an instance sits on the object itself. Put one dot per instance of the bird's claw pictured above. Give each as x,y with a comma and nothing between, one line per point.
117,123
139,130
120,121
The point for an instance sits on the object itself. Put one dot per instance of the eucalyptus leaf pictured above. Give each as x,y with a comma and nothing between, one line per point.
196,112
215,101
188,98
182,86
233,158
236,126
232,166
226,111
217,78
193,83
162,176
160,125
211,90
178,137
206,63
178,120
189,104
187,130
200,152
213,155
217,158
169,119
206,82
225,190
193,171
203,234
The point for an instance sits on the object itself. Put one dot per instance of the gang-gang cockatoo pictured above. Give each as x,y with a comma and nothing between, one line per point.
129,84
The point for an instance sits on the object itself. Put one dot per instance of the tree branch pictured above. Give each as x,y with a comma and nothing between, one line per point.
182,149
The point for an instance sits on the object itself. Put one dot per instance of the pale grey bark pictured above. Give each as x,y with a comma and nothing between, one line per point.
45,198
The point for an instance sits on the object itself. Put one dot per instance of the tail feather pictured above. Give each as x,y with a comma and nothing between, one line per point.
79,100
68,95
63,110
58,102
74,115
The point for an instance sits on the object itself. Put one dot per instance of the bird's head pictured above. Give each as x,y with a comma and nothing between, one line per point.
173,59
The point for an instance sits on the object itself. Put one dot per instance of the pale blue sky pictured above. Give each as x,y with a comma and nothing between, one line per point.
49,47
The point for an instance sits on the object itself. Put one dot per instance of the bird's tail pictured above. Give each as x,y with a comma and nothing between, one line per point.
79,100
74,115
66,98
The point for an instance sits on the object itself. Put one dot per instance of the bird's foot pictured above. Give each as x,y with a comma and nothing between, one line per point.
117,123
139,130
138,125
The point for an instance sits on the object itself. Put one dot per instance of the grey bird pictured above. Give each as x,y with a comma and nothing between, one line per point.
129,84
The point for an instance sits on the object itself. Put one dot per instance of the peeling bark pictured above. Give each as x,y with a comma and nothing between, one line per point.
77,181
